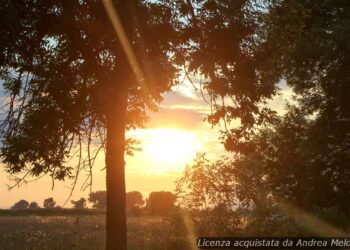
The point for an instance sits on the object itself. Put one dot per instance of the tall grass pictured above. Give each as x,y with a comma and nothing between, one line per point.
83,231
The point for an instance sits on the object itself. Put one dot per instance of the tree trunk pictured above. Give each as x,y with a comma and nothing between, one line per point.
116,232
117,100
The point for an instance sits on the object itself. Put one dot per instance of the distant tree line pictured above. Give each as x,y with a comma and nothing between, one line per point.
158,203
23,204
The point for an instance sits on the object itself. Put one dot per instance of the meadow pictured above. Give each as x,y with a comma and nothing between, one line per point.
83,231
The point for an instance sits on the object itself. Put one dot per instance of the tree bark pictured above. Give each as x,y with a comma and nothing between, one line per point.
117,101
116,229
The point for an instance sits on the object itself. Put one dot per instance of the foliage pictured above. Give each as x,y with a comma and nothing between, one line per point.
49,203
219,201
310,154
22,204
292,157
161,202
206,185
98,199
223,49
266,202
79,204
75,87
53,72
34,205
312,54
334,216
291,164
233,46
60,59
134,200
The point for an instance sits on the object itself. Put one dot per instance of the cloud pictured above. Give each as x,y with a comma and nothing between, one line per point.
172,98
176,118
200,108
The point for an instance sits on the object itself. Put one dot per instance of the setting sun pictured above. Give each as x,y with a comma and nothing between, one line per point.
174,146
166,150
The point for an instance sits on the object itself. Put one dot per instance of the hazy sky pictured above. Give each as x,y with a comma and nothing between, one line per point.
170,141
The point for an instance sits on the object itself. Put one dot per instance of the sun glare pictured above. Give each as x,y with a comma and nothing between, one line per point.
166,150
171,146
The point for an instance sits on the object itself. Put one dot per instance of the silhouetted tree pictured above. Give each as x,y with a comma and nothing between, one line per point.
161,203
72,81
205,185
312,149
285,167
34,205
49,203
222,59
294,162
79,204
234,48
98,199
134,200
22,204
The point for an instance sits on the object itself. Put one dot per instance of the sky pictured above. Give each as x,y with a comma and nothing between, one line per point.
170,140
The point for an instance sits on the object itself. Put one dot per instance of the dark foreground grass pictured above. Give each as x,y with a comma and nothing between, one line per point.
84,231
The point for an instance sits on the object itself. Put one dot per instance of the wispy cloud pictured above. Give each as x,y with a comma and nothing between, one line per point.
176,118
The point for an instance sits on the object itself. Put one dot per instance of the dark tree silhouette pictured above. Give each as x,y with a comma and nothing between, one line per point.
305,153
98,199
313,57
161,203
225,36
34,205
206,185
49,203
62,60
72,81
134,200
79,204
22,204
234,47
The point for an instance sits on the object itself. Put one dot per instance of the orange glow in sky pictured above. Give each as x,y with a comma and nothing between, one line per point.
172,146
169,142
167,150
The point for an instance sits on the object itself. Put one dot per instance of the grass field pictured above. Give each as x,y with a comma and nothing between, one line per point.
85,231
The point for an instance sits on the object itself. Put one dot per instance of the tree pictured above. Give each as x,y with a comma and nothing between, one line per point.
205,185
161,203
284,168
224,52
294,162
98,199
49,203
134,200
34,205
313,58
22,204
63,60
234,48
79,204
